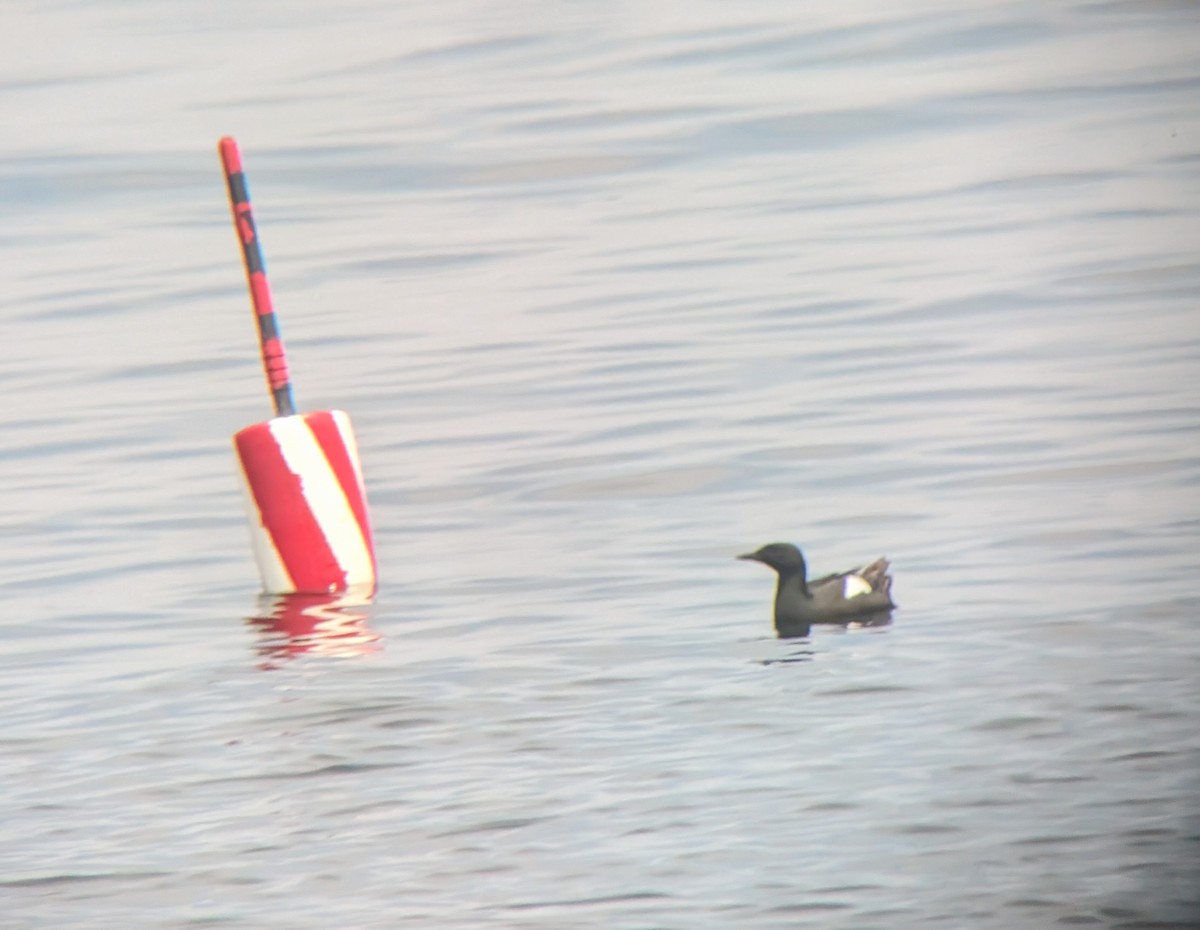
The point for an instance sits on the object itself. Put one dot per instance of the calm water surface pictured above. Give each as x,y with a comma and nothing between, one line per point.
612,293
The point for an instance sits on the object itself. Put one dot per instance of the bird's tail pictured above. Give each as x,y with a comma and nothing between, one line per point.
877,576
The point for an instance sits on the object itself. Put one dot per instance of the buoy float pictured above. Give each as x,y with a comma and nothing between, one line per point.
305,498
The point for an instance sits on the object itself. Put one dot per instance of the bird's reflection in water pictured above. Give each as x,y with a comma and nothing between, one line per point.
799,655
291,625
799,634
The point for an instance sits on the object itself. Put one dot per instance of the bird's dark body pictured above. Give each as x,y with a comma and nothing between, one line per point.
799,603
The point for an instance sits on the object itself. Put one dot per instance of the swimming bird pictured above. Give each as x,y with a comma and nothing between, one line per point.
837,598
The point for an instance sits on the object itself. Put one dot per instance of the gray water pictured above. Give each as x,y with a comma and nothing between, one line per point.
612,293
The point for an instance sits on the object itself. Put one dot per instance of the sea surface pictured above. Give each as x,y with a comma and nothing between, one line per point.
612,292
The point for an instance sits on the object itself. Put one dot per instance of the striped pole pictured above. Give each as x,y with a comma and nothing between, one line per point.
305,498
269,341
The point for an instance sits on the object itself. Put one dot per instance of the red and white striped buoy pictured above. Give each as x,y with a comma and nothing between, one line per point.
306,504
305,498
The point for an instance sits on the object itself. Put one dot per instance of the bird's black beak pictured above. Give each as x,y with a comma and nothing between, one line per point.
752,556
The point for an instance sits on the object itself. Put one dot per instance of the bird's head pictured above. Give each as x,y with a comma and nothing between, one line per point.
783,557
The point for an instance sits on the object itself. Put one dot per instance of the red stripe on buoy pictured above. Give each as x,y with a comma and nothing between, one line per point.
279,495
324,427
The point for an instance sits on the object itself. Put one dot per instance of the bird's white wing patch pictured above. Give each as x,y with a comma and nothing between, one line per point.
855,585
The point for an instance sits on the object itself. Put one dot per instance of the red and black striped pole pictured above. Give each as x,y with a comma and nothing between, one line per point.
269,339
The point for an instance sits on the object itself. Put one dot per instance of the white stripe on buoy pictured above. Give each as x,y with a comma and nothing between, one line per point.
342,421
324,495
856,585
274,573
